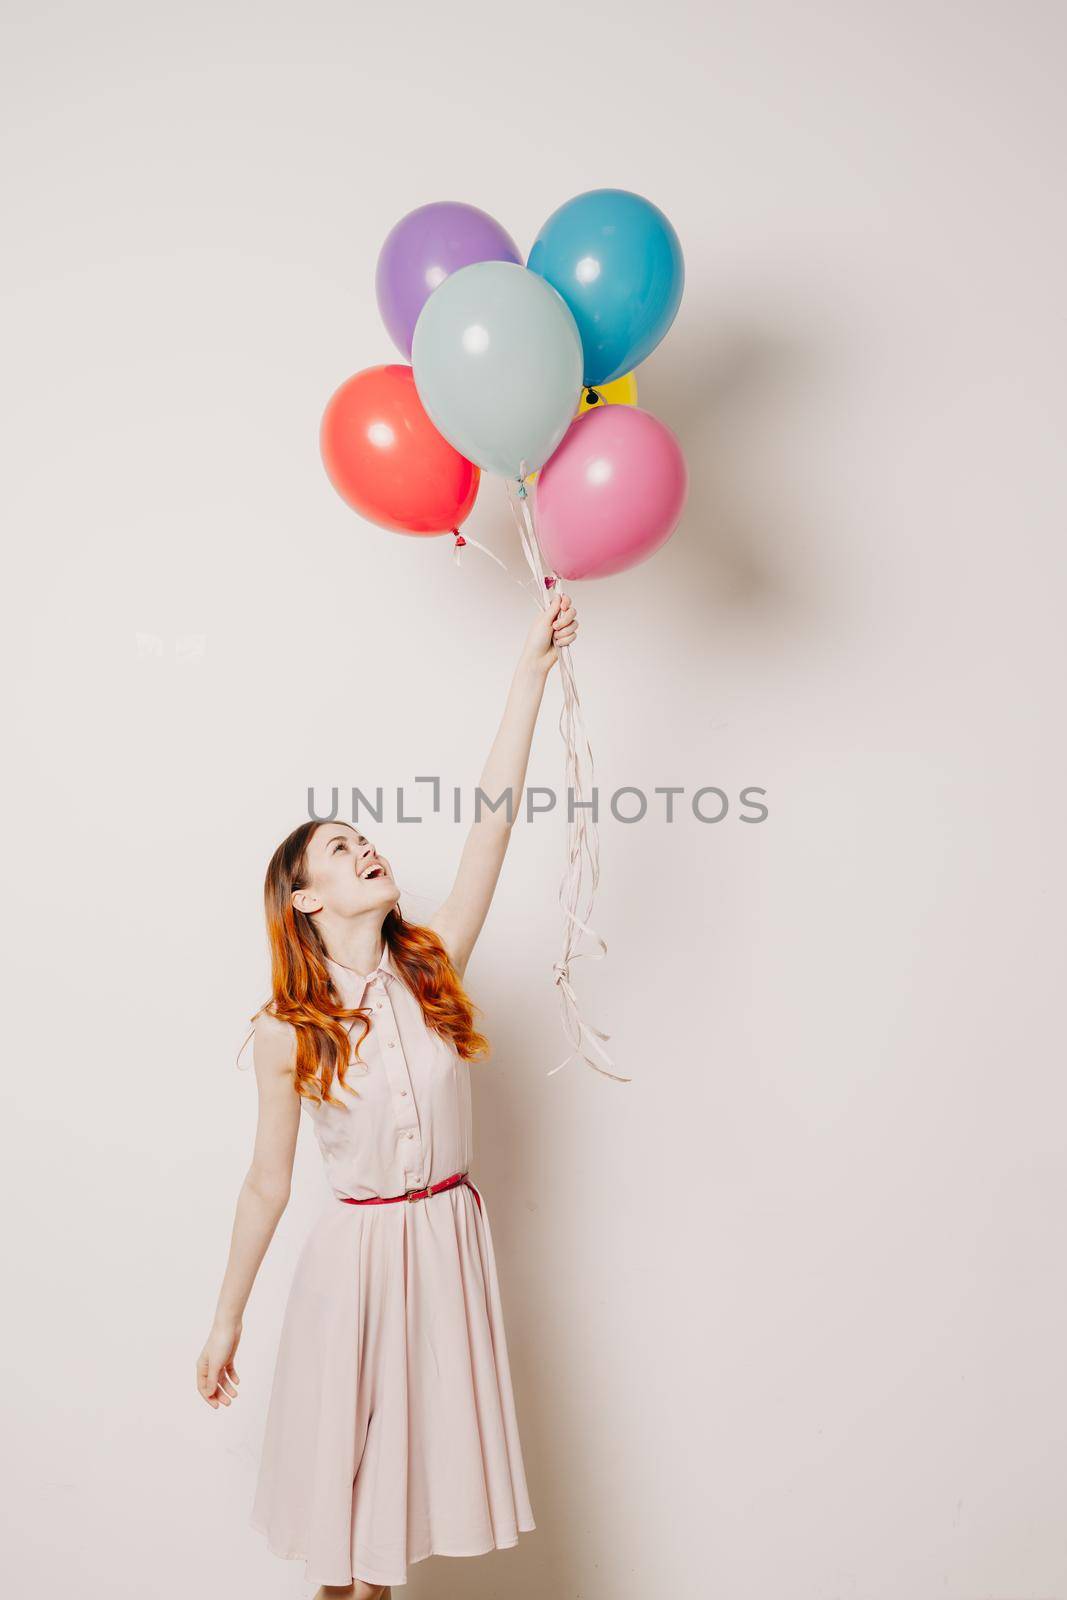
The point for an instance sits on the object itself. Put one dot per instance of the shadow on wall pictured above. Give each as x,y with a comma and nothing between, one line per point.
731,396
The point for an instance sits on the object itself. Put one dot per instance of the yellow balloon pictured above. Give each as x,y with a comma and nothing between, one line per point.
620,392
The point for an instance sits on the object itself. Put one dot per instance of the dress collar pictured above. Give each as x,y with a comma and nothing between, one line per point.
356,982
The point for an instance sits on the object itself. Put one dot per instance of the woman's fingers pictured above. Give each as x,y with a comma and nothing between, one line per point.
206,1382
565,622
217,1385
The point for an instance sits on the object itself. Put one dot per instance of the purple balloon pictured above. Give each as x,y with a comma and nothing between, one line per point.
423,249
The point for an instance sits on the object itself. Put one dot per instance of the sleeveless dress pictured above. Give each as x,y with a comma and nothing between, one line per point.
391,1431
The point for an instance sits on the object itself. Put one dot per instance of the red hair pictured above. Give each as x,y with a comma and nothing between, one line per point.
303,994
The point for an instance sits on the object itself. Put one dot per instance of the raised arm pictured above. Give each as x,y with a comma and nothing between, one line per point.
458,921
264,1196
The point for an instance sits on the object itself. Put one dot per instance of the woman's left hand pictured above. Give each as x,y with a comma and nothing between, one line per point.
552,628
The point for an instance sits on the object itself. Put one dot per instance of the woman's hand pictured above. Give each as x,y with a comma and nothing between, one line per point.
216,1375
552,629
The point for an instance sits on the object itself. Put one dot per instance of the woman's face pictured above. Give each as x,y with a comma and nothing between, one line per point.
345,874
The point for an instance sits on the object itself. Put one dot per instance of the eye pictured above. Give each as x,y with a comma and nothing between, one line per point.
339,845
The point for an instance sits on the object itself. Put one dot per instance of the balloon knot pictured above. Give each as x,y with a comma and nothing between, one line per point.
550,581
459,538
522,491
591,397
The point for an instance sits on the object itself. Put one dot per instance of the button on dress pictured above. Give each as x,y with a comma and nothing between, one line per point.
391,1431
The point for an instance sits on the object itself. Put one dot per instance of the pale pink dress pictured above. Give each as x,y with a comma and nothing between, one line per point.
391,1431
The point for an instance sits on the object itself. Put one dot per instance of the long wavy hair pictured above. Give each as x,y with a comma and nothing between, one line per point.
303,993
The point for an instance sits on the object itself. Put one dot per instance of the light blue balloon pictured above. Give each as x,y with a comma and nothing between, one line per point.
498,366
617,261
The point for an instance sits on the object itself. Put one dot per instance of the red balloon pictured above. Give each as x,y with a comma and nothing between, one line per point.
386,459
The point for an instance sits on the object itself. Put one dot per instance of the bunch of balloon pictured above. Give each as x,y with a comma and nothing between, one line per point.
525,371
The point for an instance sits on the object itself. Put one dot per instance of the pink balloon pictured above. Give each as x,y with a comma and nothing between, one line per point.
611,494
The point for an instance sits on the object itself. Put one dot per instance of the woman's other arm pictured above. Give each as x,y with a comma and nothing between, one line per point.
264,1196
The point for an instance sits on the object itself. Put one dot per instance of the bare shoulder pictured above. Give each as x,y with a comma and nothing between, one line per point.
274,1045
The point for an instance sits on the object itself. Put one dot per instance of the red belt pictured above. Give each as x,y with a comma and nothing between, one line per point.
415,1194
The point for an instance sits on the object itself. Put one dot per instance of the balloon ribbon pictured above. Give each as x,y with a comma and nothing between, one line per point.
582,842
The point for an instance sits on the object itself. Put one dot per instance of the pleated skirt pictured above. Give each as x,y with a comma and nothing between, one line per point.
391,1431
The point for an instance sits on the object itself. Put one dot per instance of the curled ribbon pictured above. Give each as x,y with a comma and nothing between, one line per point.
582,842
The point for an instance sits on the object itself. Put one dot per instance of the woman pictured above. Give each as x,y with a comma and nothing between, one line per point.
391,1432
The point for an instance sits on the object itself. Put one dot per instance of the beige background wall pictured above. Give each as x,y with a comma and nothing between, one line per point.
787,1312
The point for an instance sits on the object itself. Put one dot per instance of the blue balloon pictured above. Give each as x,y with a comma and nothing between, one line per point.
617,262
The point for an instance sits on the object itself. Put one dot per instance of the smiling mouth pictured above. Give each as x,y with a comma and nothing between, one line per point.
372,872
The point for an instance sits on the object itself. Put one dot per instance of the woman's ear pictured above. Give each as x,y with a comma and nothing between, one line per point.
304,900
